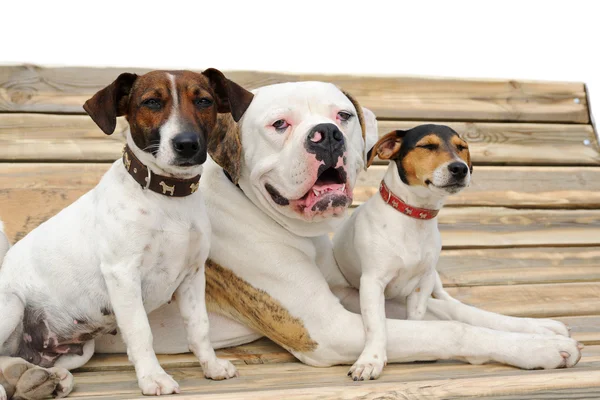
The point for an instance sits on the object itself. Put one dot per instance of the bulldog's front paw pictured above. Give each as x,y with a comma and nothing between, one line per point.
367,367
548,352
158,384
219,369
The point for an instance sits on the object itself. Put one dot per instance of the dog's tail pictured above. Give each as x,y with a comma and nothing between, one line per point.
4,243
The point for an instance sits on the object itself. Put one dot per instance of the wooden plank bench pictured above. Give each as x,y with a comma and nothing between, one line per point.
523,240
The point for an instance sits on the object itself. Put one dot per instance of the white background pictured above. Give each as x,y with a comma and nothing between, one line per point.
526,39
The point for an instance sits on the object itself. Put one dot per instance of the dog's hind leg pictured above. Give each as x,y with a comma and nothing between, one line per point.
445,307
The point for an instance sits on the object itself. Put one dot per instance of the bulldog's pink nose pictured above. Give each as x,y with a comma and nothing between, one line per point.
316,137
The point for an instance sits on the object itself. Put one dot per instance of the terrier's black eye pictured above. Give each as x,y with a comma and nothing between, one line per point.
460,147
203,102
429,146
153,104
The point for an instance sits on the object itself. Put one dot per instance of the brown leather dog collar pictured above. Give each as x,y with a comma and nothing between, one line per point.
397,203
165,185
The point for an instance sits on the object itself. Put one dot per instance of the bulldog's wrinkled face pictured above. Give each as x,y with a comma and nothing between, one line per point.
430,156
303,148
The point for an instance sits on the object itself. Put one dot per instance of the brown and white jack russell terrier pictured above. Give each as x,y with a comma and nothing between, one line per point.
126,247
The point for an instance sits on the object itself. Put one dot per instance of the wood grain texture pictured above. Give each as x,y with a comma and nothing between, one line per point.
44,137
63,90
408,381
520,143
533,187
35,137
543,301
503,227
488,267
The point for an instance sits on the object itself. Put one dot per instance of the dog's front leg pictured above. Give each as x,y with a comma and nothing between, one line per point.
416,302
125,292
192,306
445,307
372,304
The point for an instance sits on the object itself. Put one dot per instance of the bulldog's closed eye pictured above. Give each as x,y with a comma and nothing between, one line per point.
153,104
344,116
280,125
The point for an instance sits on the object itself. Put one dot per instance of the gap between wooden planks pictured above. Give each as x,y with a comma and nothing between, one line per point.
36,137
28,88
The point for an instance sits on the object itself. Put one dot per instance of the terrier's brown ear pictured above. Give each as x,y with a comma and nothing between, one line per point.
111,102
231,97
225,146
368,125
386,147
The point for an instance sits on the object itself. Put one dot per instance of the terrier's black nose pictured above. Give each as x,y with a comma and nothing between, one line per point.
458,170
186,144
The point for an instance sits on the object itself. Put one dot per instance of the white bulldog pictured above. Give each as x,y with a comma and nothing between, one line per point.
271,272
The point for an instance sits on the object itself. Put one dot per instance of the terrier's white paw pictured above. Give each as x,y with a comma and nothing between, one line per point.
367,367
219,369
158,384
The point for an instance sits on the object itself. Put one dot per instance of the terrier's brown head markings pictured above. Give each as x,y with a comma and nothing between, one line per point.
433,156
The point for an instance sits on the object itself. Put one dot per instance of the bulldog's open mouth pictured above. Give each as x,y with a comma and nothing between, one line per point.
329,191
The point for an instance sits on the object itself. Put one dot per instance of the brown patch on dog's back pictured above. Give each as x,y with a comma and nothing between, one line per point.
229,295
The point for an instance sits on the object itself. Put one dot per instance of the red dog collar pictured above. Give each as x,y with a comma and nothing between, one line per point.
398,204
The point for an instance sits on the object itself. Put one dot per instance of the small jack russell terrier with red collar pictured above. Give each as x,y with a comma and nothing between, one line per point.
390,245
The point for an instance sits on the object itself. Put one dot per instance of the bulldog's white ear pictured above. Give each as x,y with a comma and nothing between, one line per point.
371,132
368,125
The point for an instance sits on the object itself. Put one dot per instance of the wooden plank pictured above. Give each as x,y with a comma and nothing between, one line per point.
35,137
488,267
512,143
29,88
584,328
543,301
411,380
41,137
31,193
473,227
524,187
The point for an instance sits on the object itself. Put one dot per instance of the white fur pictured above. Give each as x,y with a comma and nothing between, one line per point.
125,248
389,255
292,259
